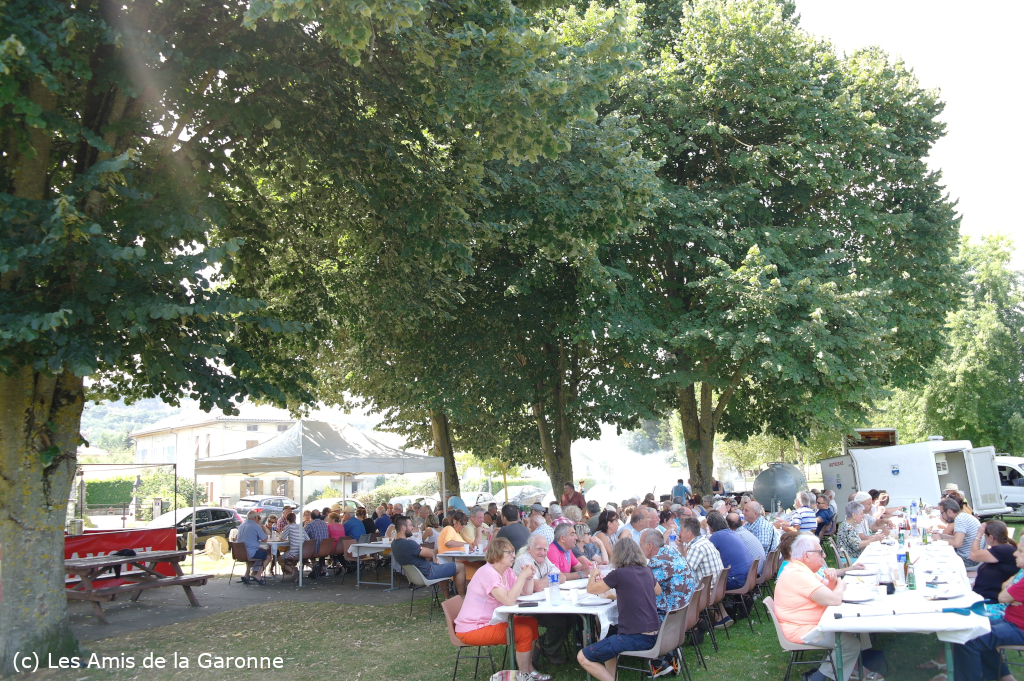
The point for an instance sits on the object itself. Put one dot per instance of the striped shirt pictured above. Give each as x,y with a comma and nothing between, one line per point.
704,559
317,529
294,535
806,517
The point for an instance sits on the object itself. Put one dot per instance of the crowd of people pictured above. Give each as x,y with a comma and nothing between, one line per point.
657,553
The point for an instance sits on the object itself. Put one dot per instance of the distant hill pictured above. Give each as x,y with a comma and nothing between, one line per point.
107,424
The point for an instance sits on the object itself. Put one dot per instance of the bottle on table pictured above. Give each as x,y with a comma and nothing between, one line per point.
554,593
911,578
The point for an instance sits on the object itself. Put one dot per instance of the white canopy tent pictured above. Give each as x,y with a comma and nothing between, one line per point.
318,448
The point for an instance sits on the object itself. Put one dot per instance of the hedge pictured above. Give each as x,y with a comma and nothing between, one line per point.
111,492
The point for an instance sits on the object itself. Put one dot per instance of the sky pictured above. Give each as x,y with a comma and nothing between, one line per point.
972,54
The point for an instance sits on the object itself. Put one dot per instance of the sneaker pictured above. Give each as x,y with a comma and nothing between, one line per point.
659,668
537,676
673,661
724,623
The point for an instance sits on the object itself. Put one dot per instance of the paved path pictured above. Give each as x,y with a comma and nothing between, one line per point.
159,607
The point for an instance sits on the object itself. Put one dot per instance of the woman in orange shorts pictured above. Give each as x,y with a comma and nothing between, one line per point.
493,586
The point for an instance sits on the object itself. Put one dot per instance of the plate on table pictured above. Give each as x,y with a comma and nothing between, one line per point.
858,598
591,599
860,573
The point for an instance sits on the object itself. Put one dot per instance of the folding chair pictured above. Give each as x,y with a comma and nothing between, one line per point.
692,624
717,596
418,581
1002,652
748,587
668,640
796,650
451,608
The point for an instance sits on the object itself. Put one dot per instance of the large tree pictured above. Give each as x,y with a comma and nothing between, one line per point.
802,257
975,387
150,152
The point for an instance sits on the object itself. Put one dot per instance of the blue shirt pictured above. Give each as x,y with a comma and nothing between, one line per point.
680,490
826,519
251,534
354,528
734,554
458,503
382,523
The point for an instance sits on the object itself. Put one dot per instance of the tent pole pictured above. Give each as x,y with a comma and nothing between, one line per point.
195,476
302,495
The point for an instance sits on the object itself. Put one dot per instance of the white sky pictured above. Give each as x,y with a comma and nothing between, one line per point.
972,54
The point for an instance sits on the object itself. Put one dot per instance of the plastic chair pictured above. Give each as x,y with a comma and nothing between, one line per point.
240,555
748,586
452,607
1002,652
717,596
418,581
769,569
668,640
796,650
693,620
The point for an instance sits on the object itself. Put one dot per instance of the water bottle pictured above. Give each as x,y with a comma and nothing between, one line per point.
672,542
554,593
901,559
913,526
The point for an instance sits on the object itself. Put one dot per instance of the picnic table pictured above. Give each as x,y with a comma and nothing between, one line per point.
143,576
367,549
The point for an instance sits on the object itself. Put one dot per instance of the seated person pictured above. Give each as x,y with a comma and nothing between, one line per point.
996,561
590,549
801,599
251,533
635,591
560,553
406,551
294,535
978,658
848,537
495,585
513,529
557,626
824,515
964,530
353,526
368,526
431,528
730,547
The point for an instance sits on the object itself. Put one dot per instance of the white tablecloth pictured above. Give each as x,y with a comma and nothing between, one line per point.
607,614
931,561
460,555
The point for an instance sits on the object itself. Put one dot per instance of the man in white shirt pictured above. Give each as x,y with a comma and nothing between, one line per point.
557,626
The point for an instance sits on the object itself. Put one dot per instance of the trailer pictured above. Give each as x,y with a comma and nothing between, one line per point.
919,471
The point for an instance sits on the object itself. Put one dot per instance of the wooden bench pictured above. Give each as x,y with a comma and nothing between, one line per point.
144,576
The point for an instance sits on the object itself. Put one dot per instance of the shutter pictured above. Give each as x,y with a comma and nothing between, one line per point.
291,489
259,486
249,444
243,490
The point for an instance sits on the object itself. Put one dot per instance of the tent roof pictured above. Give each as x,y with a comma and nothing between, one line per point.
319,448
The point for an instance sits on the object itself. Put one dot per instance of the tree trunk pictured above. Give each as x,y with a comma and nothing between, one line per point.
441,431
38,412
699,437
556,446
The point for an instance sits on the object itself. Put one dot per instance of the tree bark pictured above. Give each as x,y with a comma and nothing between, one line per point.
556,437
441,430
37,411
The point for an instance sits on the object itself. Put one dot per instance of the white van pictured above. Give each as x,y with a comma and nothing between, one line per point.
1011,479
921,471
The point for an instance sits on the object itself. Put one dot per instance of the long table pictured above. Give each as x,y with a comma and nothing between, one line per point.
143,576
367,549
930,561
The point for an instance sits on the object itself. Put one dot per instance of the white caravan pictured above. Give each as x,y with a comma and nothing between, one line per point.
920,471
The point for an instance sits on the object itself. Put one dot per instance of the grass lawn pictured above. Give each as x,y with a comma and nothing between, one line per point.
380,643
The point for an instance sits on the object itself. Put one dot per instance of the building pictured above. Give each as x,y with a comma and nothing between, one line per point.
191,435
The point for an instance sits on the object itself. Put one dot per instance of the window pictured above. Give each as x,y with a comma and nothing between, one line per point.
202,516
1009,476
281,427
249,444
208,447
169,453
143,453
222,515
250,487
252,427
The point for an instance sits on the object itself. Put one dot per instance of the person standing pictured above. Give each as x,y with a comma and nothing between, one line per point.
570,497
636,590
680,490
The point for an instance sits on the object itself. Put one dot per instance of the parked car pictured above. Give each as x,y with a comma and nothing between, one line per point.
327,502
211,521
264,505
525,495
408,501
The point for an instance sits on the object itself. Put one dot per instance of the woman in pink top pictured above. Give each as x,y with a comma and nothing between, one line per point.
495,585
335,530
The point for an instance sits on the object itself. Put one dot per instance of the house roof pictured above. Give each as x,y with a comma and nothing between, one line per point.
194,418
